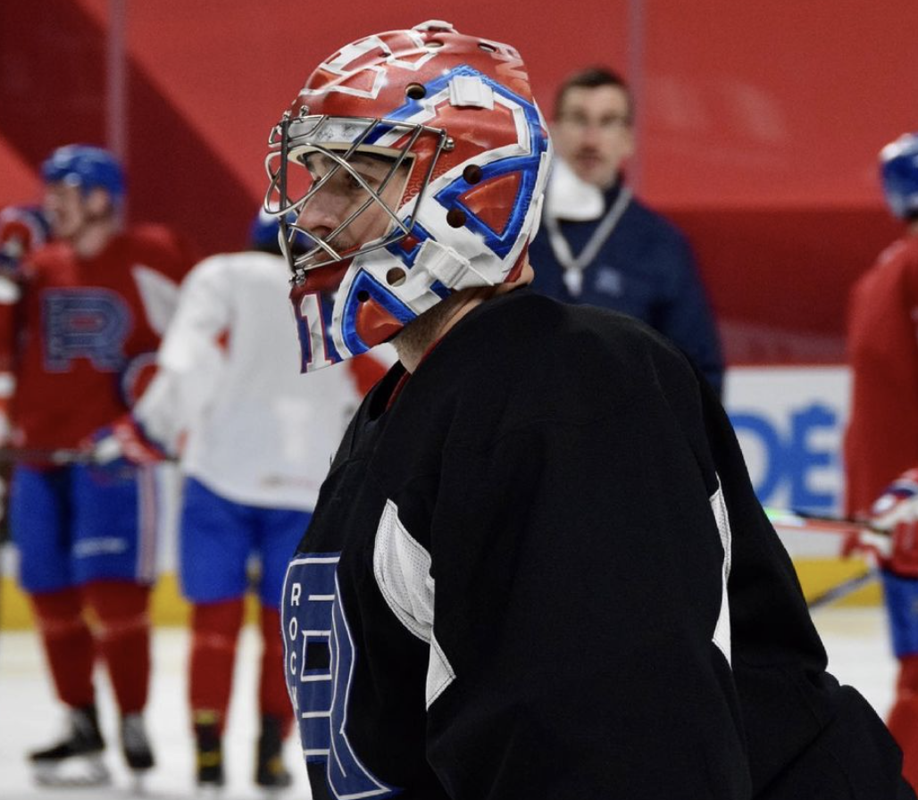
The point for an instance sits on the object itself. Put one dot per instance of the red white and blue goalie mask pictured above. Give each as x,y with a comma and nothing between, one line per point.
411,165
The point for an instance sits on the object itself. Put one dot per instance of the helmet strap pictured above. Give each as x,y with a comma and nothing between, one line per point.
448,266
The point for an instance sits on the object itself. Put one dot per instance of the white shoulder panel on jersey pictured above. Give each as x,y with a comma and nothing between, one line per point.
402,570
722,629
158,294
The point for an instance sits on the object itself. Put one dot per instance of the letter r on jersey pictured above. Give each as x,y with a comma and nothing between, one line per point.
84,323
319,656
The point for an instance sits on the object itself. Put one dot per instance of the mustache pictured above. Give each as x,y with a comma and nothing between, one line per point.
343,244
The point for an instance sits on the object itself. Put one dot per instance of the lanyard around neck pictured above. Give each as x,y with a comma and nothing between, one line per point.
574,267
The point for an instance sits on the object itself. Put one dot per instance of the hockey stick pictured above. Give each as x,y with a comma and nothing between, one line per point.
818,523
63,457
46,456
843,589
824,523
874,539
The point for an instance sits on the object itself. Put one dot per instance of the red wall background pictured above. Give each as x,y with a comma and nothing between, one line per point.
759,123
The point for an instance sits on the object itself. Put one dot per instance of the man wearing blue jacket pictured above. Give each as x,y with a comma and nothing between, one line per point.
599,244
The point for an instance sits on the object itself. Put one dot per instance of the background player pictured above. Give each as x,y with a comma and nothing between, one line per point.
91,308
256,440
882,436
598,243
537,567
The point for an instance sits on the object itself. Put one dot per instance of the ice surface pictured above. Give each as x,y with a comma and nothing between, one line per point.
29,718
856,639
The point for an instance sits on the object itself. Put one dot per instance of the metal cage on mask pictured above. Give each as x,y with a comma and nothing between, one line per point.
339,139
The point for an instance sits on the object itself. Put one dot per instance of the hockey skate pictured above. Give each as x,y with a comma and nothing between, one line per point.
76,760
270,772
135,745
210,776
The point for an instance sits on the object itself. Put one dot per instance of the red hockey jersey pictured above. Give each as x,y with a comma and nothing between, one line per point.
82,325
882,437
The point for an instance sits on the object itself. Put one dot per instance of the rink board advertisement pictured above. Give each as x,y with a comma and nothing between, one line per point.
790,422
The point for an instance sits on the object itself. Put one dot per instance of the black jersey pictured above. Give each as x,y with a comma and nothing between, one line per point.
514,586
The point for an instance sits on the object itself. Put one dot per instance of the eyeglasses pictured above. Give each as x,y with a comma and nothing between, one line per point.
606,124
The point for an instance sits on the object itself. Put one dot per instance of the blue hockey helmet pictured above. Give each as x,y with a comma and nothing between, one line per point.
264,232
899,175
87,167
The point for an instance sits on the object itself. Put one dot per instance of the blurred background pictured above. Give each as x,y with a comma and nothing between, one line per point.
758,124
758,127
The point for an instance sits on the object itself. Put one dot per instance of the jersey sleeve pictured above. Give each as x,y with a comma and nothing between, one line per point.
613,616
161,259
10,295
23,230
881,439
802,728
190,358
573,650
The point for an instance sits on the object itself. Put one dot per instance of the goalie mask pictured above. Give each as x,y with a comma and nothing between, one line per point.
413,163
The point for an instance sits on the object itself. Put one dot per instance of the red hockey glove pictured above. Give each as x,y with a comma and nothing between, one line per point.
125,440
896,511
875,546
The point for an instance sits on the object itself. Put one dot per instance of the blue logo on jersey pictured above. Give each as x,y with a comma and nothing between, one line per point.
84,323
319,666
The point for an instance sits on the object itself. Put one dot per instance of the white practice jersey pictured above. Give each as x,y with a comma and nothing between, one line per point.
258,431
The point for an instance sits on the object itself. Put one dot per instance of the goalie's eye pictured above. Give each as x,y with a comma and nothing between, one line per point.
373,171
361,171
334,175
